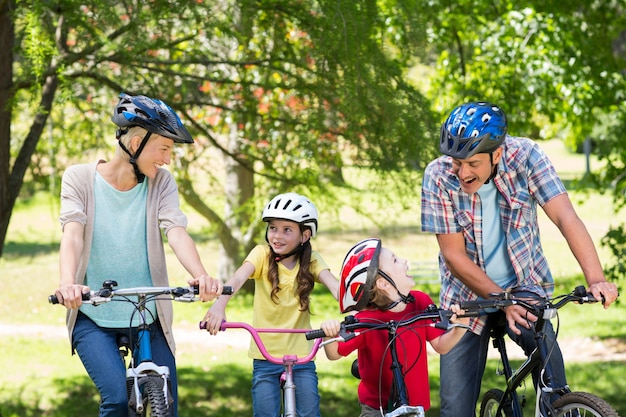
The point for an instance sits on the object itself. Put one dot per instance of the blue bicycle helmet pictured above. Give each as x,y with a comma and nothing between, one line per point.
472,128
151,114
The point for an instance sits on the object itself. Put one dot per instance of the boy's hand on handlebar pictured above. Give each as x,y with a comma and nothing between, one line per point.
331,328
210,288
518,315
456,309
71,296
604,291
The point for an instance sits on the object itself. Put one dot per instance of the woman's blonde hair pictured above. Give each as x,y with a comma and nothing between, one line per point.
126,137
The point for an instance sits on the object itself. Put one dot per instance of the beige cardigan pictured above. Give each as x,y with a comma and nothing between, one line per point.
163,211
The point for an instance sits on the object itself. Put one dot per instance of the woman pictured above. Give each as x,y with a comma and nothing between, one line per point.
112,214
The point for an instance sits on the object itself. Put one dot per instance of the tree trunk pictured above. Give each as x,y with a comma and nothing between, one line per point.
12,178
7,39
239,188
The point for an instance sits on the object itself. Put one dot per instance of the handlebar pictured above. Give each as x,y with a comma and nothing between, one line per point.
536,304
107,292
541,307
349,327
255,333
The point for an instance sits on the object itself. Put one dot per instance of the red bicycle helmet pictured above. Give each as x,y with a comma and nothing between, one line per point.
358,274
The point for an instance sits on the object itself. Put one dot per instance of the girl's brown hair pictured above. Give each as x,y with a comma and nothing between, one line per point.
305,279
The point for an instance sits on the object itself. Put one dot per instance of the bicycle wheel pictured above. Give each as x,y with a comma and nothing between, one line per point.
154,404
490,403
582,404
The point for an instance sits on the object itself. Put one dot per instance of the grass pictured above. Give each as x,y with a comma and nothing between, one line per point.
41,378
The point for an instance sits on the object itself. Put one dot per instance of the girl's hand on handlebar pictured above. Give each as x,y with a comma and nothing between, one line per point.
210,288
71,296
605,291
518,315
213,319
331,328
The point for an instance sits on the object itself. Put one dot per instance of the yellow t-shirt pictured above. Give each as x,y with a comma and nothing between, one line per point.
286,314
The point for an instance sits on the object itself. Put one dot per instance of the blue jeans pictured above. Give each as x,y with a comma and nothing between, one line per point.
462,368
266,391
98,350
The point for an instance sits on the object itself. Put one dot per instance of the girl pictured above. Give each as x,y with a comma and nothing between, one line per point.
284,273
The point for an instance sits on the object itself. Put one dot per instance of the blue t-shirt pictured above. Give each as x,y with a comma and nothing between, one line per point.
497,263
118,251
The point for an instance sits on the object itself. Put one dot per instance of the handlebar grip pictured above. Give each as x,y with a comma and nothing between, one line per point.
226,290
470,313
476,305
52,299
315,334
470,305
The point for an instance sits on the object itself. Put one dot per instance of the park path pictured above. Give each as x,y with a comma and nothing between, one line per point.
583,349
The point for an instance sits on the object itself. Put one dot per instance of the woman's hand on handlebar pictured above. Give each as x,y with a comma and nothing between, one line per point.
71,296
210,288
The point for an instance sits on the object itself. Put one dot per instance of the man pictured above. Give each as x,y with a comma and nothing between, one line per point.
481,199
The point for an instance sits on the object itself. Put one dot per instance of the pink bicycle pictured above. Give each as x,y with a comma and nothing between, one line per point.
288,361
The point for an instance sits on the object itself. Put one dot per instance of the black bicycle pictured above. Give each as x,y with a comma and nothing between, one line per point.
147,383
499,403
350,327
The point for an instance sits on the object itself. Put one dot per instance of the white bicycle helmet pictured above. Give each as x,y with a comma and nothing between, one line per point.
358,274
294,207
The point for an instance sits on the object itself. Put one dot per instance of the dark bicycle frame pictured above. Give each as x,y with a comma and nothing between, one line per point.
544,309
351,325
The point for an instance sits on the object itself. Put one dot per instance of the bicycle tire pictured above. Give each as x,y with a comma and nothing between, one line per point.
490,403
583,404
154,403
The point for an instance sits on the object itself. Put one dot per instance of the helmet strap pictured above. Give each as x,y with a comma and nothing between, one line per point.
279,258
133,158
494,168
406,299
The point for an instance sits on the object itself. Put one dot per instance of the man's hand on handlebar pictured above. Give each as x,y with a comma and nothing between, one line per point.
71,296
518,315
605,291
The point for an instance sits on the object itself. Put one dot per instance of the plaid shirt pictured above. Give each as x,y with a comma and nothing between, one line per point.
525,177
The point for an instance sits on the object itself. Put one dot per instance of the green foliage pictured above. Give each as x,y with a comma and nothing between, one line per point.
536,60
615,239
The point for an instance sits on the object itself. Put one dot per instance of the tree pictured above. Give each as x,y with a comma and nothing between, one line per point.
288,93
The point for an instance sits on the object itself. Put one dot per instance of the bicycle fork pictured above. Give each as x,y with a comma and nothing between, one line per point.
288,386
145,368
